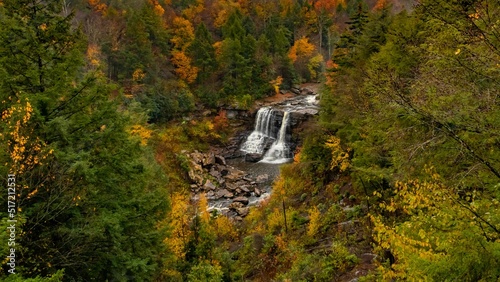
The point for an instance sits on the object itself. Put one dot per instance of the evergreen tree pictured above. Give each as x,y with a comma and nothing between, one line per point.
89,197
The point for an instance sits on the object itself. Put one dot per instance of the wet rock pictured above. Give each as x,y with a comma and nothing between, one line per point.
262,178
231,186
209,185
257,192
208,160
234,175
242,211
224,193
243,200
215,173
236,205
247,179
245,191
253,158
220,160
210,195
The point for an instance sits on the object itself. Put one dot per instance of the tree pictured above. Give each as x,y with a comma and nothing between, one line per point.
202,51
90,190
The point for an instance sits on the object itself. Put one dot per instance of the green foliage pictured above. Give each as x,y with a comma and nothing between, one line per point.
92,188
167,100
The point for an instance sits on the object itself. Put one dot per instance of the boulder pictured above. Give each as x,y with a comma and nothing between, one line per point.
236,205
242,211
224,193
197,157
210,195
215,173
245,191
262,178
257,192
220,160
209,185
209,160
231,186
234,175
253,158
243,200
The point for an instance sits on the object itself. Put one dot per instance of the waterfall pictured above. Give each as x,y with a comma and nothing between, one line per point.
280,150
263,131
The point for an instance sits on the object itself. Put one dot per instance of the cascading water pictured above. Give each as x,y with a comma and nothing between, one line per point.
280,150
263,131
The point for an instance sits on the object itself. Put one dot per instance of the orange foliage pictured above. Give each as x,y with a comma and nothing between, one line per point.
193,11
97,6
220,121
381,4
302,48
184,69
93,53
328,5
183,33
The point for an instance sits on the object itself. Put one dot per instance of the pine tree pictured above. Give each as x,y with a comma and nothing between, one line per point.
89,197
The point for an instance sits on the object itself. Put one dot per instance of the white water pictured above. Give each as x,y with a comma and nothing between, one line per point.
280,149
263,130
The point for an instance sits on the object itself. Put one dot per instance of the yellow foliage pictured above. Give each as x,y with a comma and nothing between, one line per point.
302,48
183,33
179,223
93,53
275,219
224,228
314,64
340,157
191,13
138,75
314,221
184,69
276,84
25,150
435,223
142,132
157,8
203,209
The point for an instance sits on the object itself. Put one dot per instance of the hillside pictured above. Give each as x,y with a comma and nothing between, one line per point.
125,151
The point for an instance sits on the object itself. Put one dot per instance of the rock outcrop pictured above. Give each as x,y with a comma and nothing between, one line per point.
209,173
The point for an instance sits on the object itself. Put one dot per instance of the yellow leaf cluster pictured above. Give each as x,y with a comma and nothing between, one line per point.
314,221
141,131
138,75
191,13
184,69
340,157
93,53
25,150
183,33
302,48
276,83
179,223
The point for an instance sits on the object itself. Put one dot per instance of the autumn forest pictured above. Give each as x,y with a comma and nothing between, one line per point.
121,121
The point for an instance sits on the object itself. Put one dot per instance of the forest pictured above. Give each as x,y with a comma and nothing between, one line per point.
102,103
